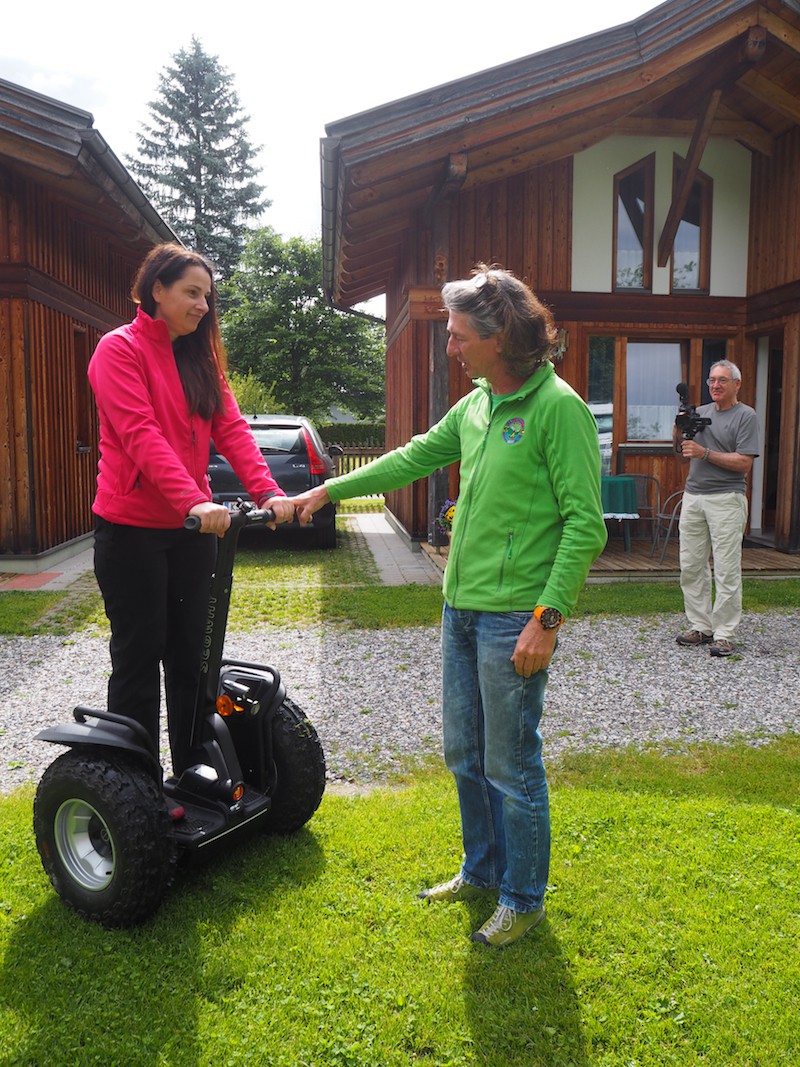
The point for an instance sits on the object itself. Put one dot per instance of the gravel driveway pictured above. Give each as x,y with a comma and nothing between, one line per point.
374,695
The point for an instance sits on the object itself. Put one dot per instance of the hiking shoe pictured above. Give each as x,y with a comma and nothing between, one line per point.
507,926
694,637
455,889
721,647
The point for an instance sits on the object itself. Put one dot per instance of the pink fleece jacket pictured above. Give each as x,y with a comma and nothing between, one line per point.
153,453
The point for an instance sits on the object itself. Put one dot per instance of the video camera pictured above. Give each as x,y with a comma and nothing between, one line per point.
688,422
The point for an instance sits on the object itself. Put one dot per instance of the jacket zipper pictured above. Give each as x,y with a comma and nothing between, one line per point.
470,487
508,553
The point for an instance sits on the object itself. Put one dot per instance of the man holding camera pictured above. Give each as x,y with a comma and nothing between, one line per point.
714,511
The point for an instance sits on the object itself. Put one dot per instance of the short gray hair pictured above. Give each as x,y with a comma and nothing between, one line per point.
732,369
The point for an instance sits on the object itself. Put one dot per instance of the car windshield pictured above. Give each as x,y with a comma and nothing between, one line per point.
274,439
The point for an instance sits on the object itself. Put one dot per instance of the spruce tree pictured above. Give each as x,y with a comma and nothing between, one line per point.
195,161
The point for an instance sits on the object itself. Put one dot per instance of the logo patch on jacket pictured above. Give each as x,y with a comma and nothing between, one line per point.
513,431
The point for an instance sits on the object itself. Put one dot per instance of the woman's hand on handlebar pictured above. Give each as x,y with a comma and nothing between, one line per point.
214,518
309,502
283,508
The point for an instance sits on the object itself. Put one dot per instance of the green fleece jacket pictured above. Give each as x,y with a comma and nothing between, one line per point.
528,522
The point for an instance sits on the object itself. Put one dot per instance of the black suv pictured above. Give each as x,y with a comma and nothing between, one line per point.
298,460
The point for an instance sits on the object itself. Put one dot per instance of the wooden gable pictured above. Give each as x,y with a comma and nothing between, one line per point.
722,68
74,227
416,191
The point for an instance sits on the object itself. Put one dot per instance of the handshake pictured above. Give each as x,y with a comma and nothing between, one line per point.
305,504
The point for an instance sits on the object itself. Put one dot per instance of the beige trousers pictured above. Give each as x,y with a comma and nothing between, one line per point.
712,525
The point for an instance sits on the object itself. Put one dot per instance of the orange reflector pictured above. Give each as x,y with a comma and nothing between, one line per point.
238,792
224,706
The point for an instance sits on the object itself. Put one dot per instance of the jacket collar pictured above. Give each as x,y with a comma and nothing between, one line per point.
530,385
154,329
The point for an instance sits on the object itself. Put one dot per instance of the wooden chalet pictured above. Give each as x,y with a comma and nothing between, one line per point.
645,181
74,227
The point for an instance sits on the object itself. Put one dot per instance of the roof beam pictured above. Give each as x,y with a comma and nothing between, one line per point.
692,165
449,183
770,93
780,30
733,129
720,69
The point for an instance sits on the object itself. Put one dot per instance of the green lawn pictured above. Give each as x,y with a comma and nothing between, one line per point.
671,938
282,581
673,909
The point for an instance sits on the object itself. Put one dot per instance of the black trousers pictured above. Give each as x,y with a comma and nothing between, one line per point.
155,585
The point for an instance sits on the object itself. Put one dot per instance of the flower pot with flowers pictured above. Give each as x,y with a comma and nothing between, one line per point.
444,520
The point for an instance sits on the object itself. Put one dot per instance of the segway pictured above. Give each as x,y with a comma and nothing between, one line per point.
110,830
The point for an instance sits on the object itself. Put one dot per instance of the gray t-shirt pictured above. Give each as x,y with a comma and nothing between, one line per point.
732,430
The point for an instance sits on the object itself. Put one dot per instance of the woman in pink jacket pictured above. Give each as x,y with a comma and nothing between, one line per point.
161,395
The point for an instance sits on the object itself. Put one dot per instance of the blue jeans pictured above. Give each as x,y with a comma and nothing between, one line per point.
493,748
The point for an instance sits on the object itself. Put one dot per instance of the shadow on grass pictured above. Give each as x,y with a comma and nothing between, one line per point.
521,1003
138,988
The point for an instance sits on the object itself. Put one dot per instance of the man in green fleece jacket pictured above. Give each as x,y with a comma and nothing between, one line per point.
527,526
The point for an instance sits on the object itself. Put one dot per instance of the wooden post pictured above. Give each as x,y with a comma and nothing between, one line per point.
438,215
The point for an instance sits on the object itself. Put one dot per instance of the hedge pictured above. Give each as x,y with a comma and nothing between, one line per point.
354,434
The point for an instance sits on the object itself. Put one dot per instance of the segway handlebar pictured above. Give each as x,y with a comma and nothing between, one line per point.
249,516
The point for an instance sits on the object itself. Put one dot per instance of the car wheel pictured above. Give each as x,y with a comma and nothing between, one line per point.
299,770
104,837
325,536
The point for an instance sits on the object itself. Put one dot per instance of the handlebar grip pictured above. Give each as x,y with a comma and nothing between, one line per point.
264,515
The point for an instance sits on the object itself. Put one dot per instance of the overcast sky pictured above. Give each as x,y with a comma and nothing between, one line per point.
296,70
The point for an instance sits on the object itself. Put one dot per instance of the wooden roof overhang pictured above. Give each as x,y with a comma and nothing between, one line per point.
689,68
56,145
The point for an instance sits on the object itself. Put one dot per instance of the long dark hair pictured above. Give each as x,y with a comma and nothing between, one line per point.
199,356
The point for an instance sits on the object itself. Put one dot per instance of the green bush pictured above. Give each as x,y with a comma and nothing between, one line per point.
354,434
252,396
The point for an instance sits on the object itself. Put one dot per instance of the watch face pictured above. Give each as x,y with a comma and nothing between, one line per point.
550,618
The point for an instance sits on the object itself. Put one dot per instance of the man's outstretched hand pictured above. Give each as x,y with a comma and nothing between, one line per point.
307,503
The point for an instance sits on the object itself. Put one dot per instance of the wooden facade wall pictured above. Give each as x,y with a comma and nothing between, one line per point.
774,254
774,268
63,282
787,525
524,223
407,398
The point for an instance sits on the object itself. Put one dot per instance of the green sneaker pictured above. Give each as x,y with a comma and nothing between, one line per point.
507,926
455,889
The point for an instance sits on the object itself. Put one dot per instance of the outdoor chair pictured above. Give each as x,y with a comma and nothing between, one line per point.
648,500
666,522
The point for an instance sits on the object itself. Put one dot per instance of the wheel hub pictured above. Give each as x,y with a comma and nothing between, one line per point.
84,845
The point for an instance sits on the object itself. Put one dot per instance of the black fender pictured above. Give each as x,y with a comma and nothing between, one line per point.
103,729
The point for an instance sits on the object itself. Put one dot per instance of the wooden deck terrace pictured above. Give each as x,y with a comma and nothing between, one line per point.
615,564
